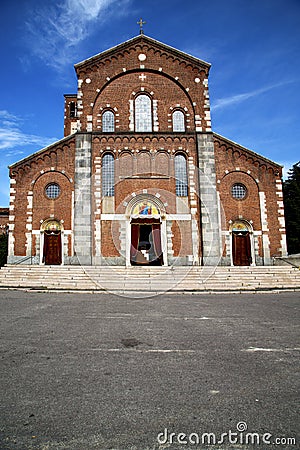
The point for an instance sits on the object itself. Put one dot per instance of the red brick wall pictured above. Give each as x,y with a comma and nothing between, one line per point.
110,243
258,175
112,77
182,238
118,93
29,178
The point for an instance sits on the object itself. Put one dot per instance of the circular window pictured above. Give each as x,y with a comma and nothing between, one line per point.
52,190
238,191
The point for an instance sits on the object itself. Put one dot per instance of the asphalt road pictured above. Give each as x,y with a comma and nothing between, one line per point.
90,371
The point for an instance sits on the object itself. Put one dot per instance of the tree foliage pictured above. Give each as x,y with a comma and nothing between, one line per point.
3,249
291,197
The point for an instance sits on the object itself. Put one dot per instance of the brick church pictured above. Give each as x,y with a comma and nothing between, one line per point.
140,178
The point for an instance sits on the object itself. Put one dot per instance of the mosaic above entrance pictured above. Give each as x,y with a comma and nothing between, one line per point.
145,209
240,227
51,226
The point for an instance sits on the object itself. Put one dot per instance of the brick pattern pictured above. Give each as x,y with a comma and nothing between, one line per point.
29,206
262,178
170,77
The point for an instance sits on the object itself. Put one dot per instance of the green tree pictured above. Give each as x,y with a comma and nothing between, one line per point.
291,197
3,249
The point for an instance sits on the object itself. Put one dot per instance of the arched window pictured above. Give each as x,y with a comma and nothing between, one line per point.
143,113
108,121
108,175
181,176
178,121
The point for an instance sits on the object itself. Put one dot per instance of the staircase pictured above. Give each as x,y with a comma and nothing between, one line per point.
144,281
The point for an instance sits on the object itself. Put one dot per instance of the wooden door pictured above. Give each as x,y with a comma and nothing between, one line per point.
241,249
52,248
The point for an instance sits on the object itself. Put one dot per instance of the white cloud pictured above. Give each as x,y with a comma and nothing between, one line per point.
236,99
6,116
12,136
56,30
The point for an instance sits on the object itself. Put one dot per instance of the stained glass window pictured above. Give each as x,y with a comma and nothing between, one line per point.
143,113
181,176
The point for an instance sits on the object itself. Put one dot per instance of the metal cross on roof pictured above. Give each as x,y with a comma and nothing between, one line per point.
141,23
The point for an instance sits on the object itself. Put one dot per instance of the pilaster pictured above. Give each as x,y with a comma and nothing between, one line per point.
82,201
210,226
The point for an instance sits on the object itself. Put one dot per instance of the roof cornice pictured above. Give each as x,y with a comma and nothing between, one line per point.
146,39
49,147
245,149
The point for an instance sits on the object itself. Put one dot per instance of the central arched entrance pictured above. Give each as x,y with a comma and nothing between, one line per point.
145,233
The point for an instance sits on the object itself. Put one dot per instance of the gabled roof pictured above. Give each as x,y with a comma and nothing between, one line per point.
142,38
33,155
250,152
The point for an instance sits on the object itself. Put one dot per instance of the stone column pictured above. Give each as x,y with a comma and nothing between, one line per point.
82,200
210,218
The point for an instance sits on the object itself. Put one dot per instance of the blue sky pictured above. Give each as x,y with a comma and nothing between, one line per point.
253,46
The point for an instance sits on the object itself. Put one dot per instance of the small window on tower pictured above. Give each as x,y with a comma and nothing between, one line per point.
73,109
74,127
108,122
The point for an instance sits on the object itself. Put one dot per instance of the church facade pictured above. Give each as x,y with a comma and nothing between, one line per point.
140,178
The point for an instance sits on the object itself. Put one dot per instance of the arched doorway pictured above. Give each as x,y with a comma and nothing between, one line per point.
241,243
145,235
52,242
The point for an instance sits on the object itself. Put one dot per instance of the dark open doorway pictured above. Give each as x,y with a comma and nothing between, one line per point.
146,243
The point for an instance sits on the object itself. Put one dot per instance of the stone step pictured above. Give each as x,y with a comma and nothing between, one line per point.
137,273
150,279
